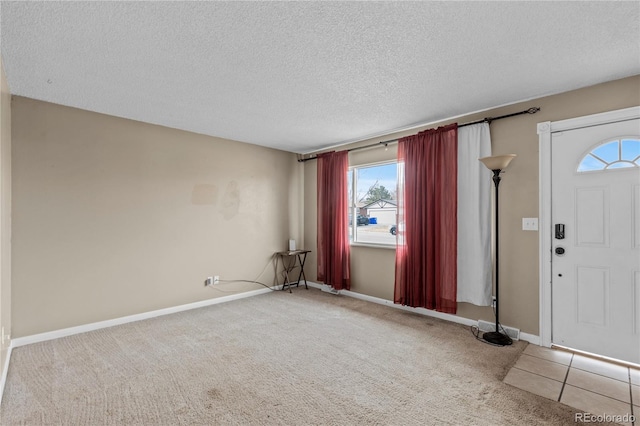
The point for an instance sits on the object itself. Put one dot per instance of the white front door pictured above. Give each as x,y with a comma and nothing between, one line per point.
595,242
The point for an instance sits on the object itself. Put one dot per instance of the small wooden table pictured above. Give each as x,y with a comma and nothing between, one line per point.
300,256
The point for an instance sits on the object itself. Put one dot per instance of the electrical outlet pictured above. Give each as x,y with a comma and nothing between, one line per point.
529,223
216,279
208,281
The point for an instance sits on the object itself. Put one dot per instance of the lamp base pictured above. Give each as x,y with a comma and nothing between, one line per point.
497,338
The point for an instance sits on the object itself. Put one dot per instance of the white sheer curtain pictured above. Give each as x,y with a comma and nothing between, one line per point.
474,216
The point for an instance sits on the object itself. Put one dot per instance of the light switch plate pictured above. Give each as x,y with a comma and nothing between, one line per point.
529,223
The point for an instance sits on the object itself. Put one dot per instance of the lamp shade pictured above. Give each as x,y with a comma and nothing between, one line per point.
497,162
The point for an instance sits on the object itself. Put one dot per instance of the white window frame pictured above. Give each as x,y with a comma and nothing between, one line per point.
607,164
354,222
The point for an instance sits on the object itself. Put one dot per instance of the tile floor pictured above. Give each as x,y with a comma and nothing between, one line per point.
590,385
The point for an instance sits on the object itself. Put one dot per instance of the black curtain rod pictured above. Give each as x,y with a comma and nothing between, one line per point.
532,110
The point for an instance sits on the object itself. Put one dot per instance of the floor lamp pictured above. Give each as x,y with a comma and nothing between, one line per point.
497,164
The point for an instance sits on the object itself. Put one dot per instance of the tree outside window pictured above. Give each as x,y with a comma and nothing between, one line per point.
373,203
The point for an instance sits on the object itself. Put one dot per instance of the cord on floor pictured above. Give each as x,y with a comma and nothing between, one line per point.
476,333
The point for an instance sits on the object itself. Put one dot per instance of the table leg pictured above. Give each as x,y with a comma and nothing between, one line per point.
284,272
287,268
302,257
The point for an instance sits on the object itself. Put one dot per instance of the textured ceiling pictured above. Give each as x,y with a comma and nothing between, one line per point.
301,76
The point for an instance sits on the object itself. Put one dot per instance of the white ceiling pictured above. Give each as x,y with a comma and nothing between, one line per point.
301,76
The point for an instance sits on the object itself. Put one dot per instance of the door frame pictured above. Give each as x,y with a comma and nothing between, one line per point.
545,241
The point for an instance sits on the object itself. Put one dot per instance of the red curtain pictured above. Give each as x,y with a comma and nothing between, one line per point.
333,239
426,254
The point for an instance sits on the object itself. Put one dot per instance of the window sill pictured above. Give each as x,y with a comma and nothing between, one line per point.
371,245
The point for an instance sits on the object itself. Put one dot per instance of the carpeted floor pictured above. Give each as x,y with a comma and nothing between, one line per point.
293,359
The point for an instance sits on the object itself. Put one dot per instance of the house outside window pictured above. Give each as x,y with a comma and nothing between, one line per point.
373,205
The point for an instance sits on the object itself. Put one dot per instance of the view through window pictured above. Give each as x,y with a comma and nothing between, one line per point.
617,154
373,205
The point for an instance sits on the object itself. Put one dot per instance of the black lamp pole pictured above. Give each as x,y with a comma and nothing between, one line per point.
496,337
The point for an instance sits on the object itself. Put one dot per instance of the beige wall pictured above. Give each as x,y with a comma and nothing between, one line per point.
114,217
5,217
372,268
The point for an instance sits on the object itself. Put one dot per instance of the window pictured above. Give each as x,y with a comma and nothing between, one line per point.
617,154
373,205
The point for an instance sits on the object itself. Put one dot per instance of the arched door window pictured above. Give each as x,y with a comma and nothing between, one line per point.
616,154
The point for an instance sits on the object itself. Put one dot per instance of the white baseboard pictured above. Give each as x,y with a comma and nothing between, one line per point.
42,337
5,371
531,338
